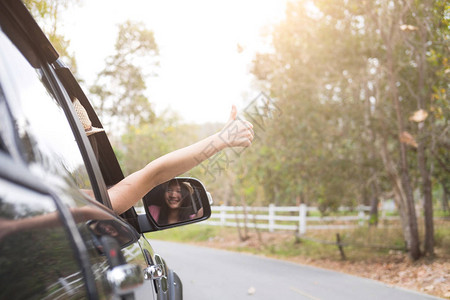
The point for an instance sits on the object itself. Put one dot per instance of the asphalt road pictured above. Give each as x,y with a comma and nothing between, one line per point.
210,274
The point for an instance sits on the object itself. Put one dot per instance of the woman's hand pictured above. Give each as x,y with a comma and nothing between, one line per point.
237,132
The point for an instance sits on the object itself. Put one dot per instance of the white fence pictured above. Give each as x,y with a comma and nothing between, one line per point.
286,218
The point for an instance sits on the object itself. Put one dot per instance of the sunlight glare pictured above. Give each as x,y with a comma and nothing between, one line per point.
201,71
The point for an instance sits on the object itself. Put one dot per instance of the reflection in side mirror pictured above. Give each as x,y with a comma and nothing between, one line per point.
177,201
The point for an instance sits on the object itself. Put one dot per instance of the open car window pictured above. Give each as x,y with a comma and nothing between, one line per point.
107,170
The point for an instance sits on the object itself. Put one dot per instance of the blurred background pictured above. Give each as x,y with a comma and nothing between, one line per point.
349,99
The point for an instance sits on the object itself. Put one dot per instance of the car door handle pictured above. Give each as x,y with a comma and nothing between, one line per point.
153,272
123,278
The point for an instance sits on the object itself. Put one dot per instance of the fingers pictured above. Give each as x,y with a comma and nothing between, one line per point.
250,128
242,133
251,136
233,113
247,135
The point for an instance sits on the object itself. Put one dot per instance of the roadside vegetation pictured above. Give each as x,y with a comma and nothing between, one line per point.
360,244
370,252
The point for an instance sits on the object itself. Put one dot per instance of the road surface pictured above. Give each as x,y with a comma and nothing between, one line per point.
211,274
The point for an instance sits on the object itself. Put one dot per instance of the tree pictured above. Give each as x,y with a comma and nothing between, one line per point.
119,91
313,142
349,77
149,141
416,30
48,14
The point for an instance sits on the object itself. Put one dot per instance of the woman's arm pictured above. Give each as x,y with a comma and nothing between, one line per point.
236,133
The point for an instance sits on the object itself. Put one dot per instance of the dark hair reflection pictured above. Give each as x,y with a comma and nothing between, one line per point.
111,228
174,203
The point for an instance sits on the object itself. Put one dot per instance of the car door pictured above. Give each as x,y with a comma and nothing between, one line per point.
30,267
38,134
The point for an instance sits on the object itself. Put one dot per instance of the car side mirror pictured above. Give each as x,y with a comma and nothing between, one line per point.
179,201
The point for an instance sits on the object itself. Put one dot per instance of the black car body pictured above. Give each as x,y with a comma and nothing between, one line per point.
53,241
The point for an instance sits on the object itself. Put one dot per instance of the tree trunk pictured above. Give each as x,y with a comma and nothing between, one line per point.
399,195
373,220
244,207
427,207
407,216
387,24
414,243
421,151
444,199
242,236
374,194
410,211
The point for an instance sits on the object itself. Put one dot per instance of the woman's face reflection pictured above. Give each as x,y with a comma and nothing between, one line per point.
108,229
173,196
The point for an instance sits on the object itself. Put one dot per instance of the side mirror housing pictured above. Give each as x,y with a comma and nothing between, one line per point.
177,202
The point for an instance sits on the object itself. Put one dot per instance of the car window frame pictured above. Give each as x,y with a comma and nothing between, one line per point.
112,169
90,161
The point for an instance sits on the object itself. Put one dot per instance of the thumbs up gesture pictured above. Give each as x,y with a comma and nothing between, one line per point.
237,132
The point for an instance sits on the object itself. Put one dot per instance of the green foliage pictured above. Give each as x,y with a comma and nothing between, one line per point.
361,244
442,238
119,93
48,14
349,77
193,233
314,152
149,141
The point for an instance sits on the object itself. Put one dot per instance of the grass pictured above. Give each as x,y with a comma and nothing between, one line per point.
185,234
361,244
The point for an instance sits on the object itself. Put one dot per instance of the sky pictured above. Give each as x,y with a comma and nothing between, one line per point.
201,72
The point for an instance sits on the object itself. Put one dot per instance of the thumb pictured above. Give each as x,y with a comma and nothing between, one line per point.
233,113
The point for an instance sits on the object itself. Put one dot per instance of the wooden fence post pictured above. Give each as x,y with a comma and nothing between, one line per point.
340,246
302,219
222,215
271,217
361,217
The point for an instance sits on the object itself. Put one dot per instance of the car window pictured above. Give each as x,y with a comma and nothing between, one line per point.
47,140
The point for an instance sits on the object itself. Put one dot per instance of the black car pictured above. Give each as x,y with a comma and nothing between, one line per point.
55,241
